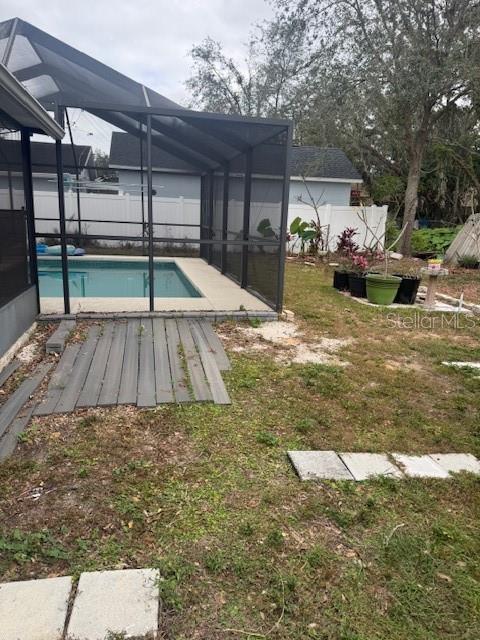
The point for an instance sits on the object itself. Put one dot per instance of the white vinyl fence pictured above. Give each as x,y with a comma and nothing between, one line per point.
172,212
120,209
335,219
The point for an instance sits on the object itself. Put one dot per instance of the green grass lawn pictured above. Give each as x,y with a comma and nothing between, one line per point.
206,492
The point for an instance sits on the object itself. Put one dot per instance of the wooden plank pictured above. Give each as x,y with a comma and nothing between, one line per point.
59,380
201,390
129,379
56,342
113,373
179,381
215,345
74,384
94,380
10,438
9,370
19,397
212,372
163,379
146,367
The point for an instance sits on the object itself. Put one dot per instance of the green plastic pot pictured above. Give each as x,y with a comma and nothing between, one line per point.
382,289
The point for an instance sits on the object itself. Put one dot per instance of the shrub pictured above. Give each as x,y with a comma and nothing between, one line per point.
468,262
433,240
346,243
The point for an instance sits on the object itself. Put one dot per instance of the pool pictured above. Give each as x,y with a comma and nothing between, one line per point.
89,278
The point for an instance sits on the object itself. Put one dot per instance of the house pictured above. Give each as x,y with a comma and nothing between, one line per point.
44,167
325,172
329,174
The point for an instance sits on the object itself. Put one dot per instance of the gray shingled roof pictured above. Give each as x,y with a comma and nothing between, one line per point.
125,152
322,162
315,162
43,156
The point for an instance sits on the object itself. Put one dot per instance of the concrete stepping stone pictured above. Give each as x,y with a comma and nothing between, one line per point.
457,462
319,465
420,466
363,466
35,609
110,602
463,365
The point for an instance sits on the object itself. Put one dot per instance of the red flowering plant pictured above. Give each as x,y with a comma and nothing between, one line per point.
359,263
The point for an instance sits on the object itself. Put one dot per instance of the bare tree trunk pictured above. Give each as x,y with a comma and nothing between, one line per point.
411,197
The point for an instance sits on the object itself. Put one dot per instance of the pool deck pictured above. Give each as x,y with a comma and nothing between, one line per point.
219,293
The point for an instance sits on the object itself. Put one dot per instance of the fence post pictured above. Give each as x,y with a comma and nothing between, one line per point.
126,200
328,216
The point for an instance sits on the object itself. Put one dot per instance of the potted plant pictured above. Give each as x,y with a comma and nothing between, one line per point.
381,287
408,289
340,277
346,247
357,282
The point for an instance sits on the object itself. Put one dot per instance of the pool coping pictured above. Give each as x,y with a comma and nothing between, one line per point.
220,295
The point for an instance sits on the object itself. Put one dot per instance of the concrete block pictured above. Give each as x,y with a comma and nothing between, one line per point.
419,466
369,465
35,609
319,465
110,602
457,462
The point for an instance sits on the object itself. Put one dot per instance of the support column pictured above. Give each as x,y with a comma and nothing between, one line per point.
223,260
210,215
150,213
284,219
142,194
247,194
30,211
59,113
77,178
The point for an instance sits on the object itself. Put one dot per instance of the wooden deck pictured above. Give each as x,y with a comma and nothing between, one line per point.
144,361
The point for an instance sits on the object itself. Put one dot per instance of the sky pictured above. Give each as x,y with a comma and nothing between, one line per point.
147,40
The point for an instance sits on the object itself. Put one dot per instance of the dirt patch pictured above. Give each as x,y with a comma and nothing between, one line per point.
30,356
404,363
286,343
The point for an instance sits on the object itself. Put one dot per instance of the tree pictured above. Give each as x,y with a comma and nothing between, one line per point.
406,63
101,161
273,80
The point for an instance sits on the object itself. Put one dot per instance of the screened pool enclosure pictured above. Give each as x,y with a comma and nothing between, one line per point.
237,166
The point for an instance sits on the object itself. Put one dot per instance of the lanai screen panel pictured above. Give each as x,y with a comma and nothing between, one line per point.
14,267
265,229
217,218
236,204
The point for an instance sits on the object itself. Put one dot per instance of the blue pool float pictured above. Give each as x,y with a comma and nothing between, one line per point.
56,250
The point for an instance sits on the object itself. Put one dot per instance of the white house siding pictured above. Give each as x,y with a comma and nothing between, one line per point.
167,185
335,193
43,182
188,186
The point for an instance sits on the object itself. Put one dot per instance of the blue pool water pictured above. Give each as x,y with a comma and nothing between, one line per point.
89,278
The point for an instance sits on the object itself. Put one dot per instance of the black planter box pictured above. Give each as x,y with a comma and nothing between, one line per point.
357,284
407,291
340,280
